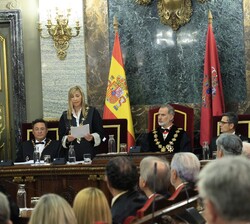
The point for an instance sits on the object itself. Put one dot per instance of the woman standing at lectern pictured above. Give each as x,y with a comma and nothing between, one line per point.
79,113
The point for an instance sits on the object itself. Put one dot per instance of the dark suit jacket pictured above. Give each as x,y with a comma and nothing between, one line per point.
127,205
94,120
26,150
178,138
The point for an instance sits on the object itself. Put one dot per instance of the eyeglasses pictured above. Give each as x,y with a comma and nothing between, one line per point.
224,122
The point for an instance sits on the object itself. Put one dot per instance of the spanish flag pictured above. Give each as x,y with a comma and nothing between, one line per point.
117,103
212,93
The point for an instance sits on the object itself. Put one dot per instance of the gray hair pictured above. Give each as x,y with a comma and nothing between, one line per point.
230,144
162,176
186,165
225,182
170,108
4,209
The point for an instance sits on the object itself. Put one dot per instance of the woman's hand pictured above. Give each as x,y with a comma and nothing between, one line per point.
71,138
89,137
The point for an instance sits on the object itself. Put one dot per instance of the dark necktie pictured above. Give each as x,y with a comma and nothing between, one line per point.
164,131
39,143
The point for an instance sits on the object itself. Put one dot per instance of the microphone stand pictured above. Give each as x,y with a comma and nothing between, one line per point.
153,204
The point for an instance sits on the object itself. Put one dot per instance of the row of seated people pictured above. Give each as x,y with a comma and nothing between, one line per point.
169,123
167,138
129,205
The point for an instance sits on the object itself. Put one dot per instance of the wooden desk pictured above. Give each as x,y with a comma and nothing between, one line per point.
65,180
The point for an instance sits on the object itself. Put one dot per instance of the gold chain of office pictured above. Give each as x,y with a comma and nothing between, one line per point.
170,145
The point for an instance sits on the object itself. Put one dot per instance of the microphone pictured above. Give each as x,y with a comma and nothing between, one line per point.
153,203
60,160
138,142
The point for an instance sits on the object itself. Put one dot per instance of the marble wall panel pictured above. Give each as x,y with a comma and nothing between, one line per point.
163,65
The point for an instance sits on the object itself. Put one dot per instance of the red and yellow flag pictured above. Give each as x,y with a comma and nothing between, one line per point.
117,103
212,93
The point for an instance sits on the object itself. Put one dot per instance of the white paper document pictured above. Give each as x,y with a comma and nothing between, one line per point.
80,131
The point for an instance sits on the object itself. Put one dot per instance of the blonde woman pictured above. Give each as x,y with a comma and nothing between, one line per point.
77,114
90,206
52,209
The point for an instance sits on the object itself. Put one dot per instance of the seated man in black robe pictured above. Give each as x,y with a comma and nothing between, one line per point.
44,145
167,137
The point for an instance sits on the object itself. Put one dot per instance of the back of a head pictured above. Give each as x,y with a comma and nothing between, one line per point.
186,165
91,205
52,209
122,173
4,209
225,184
160,176
230,144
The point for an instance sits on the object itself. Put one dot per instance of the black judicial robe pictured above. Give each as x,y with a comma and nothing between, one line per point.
26,149
93,118
177,140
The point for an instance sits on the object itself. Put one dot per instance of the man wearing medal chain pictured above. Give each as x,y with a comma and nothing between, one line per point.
167,137
45,145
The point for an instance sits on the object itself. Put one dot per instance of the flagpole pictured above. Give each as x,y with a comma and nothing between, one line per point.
115,24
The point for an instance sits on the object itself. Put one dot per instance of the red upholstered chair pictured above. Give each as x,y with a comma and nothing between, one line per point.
184,118
53,132
243,125
116,127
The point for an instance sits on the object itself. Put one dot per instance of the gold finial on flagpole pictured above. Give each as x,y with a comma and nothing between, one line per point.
210,17
115,24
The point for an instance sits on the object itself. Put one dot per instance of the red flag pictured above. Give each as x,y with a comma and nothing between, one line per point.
117,103
212,93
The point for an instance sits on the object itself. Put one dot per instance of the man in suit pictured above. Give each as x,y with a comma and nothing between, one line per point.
224,189
185,167
40,142
228,124
167,137
228,144
154,176
122,178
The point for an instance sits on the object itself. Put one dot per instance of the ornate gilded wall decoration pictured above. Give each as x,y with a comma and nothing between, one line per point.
174,13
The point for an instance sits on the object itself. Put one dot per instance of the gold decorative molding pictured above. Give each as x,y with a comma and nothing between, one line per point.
174,13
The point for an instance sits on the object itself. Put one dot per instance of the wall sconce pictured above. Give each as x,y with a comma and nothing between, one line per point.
60,31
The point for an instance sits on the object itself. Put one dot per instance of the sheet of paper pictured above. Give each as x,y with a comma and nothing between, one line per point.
80,131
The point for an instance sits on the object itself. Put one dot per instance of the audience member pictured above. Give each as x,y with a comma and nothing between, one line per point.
228,145
45,145
154,176
167,137
78,114
224,188
228,124
185,168
122,178
14,210
91,205
4,210
52,209
246,149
